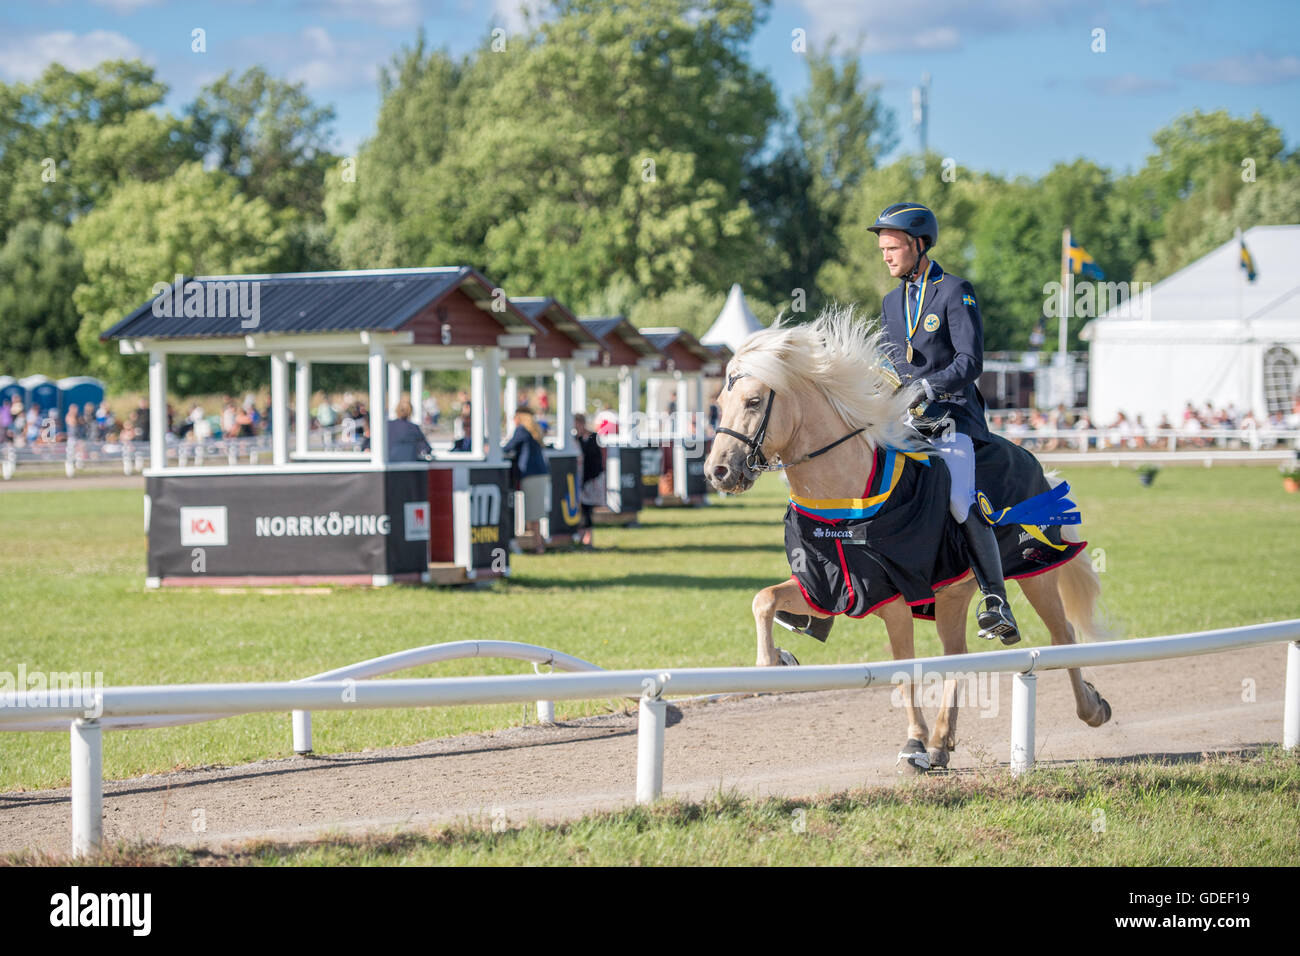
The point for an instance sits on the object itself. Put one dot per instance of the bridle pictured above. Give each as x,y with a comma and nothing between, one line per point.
756,460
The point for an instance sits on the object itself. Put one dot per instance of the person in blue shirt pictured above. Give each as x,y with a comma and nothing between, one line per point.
531,470
406,441
933,326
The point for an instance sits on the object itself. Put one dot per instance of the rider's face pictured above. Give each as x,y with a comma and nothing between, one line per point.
898,250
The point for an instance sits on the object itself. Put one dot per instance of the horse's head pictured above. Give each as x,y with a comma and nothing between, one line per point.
754,427
830,376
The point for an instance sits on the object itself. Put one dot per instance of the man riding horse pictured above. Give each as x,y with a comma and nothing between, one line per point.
932,327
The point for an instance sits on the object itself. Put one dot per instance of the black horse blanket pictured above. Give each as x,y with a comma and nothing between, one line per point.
852,555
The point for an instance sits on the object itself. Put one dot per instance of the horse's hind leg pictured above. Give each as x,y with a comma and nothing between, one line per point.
785,596
1042,591
951,605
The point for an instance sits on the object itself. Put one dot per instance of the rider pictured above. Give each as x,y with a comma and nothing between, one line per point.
933,324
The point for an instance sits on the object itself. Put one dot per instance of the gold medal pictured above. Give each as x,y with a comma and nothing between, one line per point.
909,352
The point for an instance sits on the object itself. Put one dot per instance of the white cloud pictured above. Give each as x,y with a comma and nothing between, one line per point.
24,57
1253,69
511,14
885,26
319,59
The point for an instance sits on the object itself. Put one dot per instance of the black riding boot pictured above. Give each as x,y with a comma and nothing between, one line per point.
994,615
818,627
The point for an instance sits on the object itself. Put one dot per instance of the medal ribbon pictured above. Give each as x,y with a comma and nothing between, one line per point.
912,323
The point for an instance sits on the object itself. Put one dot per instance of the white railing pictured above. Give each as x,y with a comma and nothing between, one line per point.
1146,440
649,685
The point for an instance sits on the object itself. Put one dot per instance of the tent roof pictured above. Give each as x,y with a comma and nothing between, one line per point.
734,323
1215,288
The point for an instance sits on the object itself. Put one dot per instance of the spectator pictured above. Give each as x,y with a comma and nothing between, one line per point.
75,427
432,412
531,471
327,415
406,441
591,474
463,431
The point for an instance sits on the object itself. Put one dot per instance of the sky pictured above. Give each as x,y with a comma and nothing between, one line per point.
1016,85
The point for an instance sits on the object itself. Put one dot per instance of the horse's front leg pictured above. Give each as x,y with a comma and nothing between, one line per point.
897,616
785,596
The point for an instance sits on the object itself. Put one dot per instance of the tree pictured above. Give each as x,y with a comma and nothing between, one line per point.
607,145
193,223
67,139
269,135
1191,183
39,268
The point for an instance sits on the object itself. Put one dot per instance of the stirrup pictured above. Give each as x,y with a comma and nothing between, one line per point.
995,620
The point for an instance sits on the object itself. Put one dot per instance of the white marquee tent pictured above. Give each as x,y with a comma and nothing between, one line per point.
734,323
1204,334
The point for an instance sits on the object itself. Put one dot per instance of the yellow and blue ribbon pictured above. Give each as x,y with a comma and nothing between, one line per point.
841,509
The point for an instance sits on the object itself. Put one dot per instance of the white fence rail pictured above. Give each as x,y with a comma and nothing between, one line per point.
649,685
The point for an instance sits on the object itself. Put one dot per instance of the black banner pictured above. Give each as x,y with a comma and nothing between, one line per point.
491,517
287,524
629,479
697,486
566,513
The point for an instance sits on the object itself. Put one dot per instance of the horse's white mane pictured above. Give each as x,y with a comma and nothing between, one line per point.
840,357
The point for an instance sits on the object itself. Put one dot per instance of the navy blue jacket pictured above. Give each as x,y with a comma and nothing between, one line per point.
529,458
947,349
406,441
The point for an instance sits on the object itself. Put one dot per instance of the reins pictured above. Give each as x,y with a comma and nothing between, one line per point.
756,460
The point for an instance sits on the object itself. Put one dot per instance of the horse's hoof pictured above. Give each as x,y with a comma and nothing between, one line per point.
938,759
785,659
913,759
1103,703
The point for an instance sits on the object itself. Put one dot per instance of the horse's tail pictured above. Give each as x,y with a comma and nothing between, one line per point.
1080,587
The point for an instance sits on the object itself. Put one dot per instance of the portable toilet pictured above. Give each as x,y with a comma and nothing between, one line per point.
78,390
9,387
41,390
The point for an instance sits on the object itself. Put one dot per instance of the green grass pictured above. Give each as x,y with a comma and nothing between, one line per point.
1223,811
1201,548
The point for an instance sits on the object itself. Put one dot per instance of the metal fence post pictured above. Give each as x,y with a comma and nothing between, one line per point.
87,787
650,749
1291,722
1023,702
302,731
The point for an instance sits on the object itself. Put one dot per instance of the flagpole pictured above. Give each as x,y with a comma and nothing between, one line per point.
1062,387
1242,279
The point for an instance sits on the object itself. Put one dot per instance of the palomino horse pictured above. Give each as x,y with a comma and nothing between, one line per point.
817,398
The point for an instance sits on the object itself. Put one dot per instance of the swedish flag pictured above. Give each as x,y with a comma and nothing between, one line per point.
1082,262
1247,261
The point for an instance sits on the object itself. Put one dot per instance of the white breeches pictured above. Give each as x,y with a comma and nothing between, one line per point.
959,455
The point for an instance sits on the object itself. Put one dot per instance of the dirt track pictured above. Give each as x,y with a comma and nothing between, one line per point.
789,745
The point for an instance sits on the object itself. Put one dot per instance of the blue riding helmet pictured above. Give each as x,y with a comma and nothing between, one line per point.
912,218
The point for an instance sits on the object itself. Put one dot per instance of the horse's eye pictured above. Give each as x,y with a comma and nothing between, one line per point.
753,402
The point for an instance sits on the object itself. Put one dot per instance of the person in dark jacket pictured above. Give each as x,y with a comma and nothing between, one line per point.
532,471
406,441
591,461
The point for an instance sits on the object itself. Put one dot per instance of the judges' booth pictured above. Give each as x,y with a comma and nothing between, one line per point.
677,413
329,516
629,463
550,360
